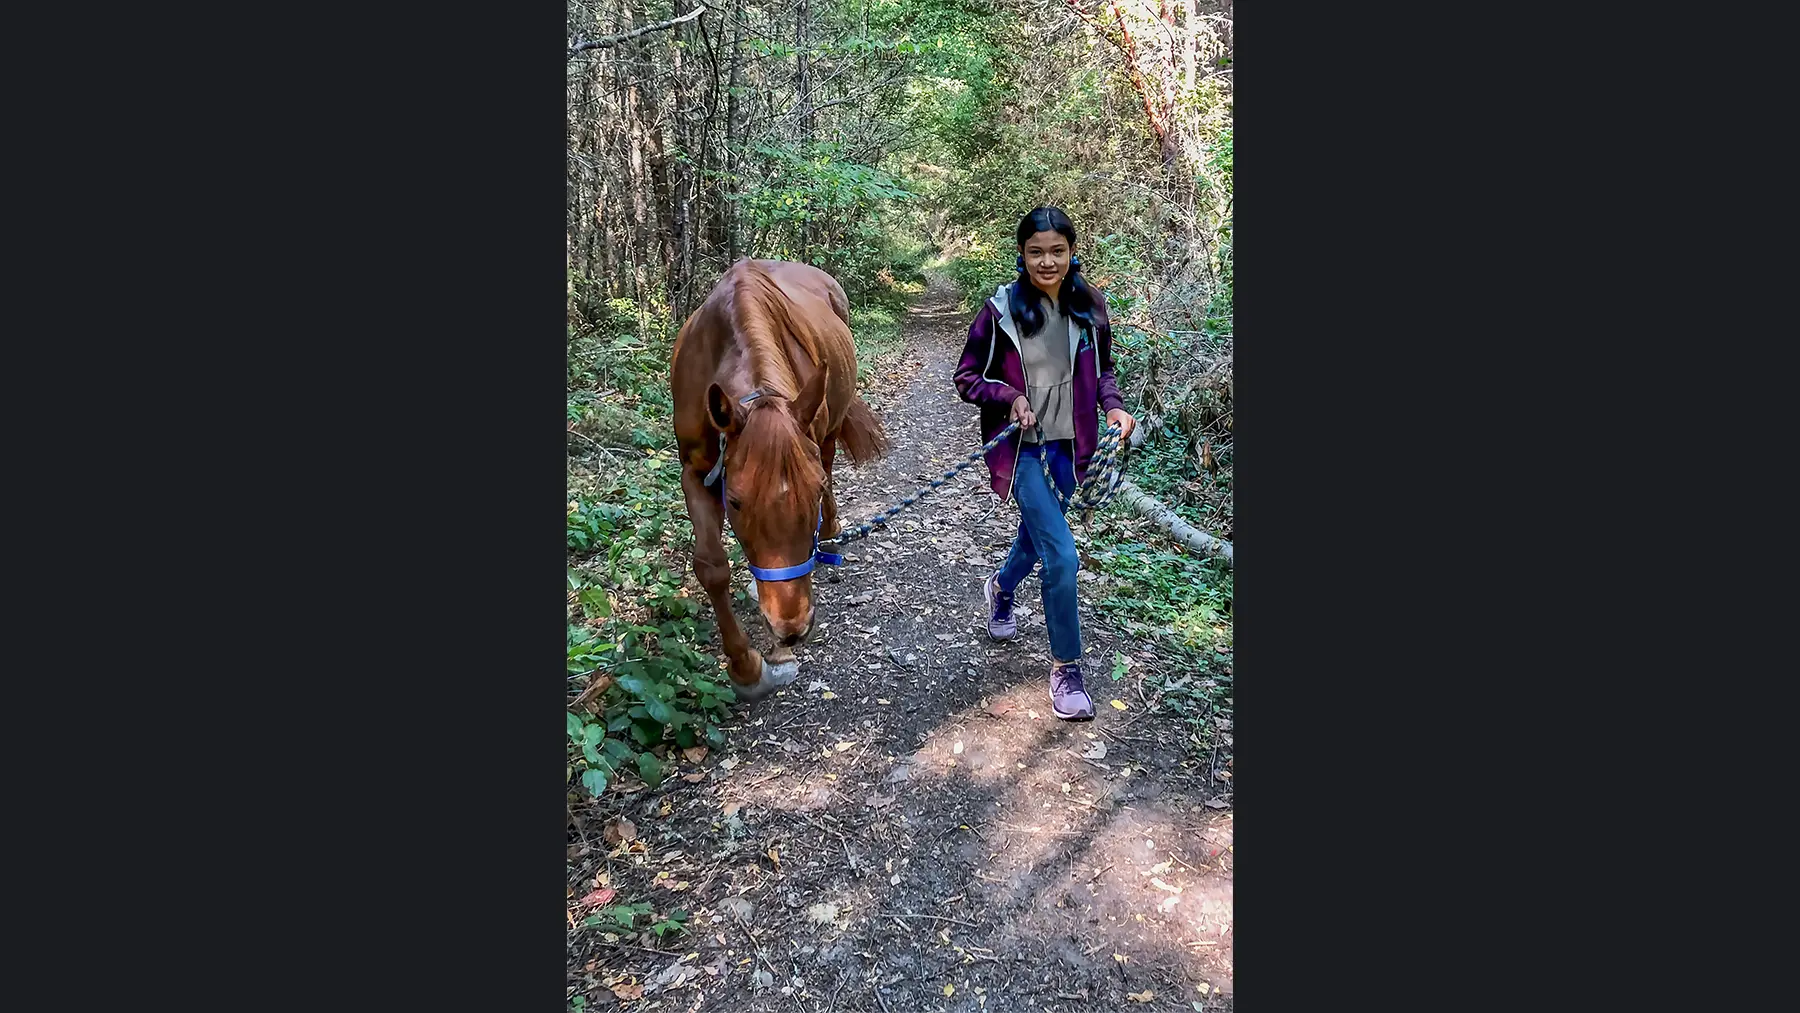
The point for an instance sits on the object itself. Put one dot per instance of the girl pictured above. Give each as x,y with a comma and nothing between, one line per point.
1040,354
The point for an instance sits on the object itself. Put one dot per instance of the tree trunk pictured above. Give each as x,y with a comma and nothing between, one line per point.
1190,43
683,171
641,220
803,86
655,155
731,133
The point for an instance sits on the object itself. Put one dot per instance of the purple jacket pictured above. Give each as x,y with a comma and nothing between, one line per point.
992,376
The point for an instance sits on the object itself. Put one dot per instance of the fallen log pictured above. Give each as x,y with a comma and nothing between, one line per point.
1167,519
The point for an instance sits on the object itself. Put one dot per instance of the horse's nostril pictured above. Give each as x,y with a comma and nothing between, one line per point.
790,640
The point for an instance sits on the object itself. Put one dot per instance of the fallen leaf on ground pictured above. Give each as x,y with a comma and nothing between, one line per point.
1145,996
695,778
816,685
1217,803
844,745
958,748
1160,885
1118,704
621,831
675,973
600,896
1096,750
694,754
949,989
775,856
624,992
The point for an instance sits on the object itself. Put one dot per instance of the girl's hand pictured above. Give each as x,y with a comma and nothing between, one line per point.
1022,413
1121,418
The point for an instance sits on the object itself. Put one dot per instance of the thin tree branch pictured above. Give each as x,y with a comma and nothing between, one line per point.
861,92
613,40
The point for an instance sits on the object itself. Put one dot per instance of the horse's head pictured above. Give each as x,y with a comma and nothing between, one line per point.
774,491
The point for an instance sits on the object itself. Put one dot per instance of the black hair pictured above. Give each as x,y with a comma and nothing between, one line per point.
1075,297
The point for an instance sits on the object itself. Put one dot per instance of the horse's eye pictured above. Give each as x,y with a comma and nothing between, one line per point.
735,505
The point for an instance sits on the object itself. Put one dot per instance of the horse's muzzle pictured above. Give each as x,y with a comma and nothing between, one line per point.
791,633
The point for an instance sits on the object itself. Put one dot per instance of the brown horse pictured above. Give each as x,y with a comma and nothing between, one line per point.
767,363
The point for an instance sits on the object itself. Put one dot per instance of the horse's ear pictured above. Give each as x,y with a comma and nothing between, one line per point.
812,398
726,416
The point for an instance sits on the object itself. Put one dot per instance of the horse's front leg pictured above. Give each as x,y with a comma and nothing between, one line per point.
750,676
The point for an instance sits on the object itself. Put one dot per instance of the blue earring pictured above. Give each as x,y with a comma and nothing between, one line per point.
1074,262
1019,265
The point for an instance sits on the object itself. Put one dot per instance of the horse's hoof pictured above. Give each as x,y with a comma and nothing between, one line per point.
781,673
772,678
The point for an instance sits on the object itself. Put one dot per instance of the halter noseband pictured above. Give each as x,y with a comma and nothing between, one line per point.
781,572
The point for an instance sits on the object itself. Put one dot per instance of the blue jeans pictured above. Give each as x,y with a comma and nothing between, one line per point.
1044,534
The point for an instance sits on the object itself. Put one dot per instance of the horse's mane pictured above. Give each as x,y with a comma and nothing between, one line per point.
775,449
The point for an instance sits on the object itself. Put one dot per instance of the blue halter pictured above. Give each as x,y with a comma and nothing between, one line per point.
781,572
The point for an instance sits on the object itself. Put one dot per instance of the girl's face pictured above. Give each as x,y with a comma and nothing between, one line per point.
1047,257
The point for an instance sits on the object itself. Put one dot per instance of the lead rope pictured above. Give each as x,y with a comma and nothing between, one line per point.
1104,475
1102,482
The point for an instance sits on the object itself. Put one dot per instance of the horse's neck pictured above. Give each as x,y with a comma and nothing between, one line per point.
770,370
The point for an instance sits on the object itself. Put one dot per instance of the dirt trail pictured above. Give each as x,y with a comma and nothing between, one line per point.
906,827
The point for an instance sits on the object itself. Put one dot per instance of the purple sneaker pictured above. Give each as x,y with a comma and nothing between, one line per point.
1001,624
1068,700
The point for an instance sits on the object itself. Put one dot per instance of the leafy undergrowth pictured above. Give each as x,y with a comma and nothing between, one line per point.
877,329
1157,591
977,271
1156,588
1179,383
